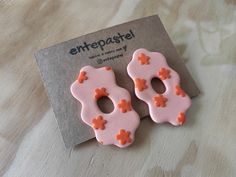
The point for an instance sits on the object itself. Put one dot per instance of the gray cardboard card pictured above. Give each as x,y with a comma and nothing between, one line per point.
60,64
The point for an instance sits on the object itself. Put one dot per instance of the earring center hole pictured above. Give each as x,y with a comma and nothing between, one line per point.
158,85
105,104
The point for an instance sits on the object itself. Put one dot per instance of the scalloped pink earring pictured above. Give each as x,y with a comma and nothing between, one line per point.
174,102
117,127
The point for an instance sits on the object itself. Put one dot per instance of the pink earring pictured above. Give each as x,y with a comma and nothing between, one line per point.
173,103
117,127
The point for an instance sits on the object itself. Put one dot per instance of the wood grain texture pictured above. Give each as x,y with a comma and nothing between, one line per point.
30,142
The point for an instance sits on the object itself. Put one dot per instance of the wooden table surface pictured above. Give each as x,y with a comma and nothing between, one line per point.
204,33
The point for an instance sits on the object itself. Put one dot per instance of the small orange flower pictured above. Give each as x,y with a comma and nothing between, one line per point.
100,93
181,118
140,84
99,123
143,59
164,73
108,68
82,76
124,105
179,91
160,101
123,137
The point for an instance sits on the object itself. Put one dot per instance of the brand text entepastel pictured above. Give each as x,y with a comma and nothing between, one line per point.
101,43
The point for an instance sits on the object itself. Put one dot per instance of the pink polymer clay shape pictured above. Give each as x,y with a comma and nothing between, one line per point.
173,103
117,127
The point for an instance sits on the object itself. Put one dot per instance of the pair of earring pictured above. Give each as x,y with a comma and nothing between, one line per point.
119,126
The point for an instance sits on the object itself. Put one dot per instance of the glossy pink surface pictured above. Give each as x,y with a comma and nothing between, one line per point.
116,120
174,109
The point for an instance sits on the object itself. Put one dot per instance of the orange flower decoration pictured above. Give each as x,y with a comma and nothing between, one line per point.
99,123
181,118
160,101
140,84
143,59
100,93
179,91
108,68
82,76
164,73
123,137
124,106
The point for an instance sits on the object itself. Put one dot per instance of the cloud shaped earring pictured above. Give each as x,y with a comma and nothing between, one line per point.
117,127
169,106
